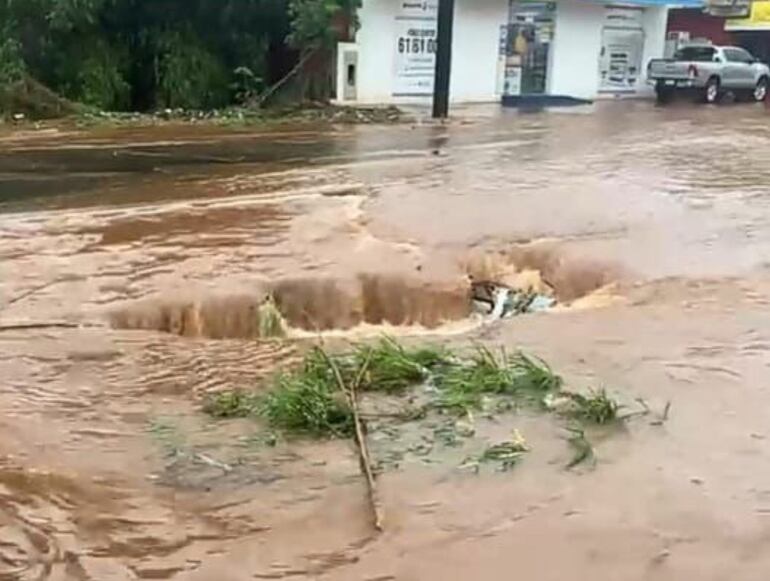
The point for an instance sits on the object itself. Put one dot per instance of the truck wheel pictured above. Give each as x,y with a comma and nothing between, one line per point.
663,94
760,91
713,92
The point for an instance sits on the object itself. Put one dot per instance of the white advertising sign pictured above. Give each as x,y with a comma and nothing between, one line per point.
415,47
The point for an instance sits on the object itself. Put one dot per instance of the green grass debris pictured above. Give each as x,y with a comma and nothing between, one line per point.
597,407
393,368
311,400
231,404
463,386
308,401
506,454
582,449
534,376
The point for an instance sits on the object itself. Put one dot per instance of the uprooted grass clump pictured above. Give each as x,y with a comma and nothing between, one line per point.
230,404
313,400
597,407
506,454
582,449
462,387
308,401
392,368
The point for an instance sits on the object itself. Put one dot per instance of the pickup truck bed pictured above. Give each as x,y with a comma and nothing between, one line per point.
708,72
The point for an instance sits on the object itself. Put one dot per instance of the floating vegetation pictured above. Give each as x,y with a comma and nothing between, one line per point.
595,408
230,404
582,449
392,368
308,401
464,385
429,385
506,454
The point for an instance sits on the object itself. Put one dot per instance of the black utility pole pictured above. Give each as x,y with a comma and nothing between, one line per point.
446,16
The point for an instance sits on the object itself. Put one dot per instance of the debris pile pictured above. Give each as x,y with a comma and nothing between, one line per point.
500,301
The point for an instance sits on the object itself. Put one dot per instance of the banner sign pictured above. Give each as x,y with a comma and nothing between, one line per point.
758,19
728,8
415,48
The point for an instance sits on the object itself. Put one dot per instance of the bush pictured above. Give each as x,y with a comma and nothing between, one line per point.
12,67
93,75
189,76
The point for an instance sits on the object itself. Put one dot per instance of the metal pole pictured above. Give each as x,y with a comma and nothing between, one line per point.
446,11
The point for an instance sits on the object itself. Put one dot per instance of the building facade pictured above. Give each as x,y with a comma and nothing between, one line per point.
581,50
564,49
749,29
393,57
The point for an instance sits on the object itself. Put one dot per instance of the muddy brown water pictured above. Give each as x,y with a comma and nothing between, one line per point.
651,225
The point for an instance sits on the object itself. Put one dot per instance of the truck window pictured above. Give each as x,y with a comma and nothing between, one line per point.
738,55
698,54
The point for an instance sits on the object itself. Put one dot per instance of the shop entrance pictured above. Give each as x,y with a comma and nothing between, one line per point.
530,35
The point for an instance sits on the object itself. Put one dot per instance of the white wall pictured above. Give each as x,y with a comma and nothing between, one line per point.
655,21
474,51
574,62
574,59
577,46
375,41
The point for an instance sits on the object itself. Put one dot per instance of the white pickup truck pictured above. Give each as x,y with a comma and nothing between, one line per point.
709,72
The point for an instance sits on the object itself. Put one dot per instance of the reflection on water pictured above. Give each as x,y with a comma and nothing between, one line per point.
132,232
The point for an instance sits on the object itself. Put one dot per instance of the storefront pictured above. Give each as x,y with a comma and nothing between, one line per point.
688,25
393,57
580,50
562,51
753,31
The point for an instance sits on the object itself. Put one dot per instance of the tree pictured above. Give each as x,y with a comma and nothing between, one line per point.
149,54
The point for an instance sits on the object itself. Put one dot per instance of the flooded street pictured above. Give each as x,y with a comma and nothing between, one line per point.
144,255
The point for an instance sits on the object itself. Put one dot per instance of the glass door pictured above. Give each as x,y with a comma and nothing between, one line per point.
530,35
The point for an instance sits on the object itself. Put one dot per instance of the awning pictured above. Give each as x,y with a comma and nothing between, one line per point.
758,20
669,3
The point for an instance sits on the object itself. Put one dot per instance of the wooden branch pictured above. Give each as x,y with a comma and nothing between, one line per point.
351,392
270,91
31,326
31,291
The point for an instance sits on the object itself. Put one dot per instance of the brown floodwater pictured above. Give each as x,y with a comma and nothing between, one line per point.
154,248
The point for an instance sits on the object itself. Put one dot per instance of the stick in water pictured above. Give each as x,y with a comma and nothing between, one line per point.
351,392
32,326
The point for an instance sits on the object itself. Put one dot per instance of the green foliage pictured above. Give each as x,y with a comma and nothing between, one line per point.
309,401
393,368
505,454
92,73
596,408
73,15
246,85
189,76
535,376
231,404
312,21
141,55
12,66
463,386
314,399
582,450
